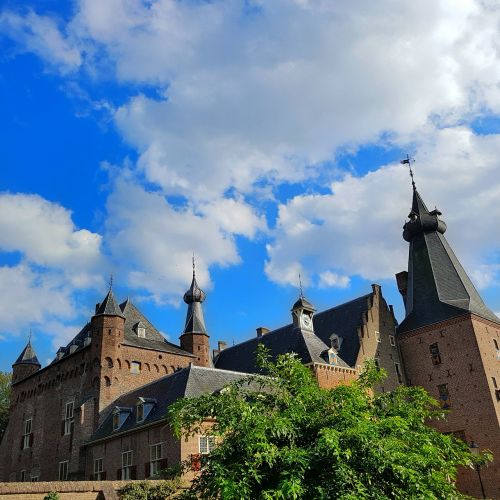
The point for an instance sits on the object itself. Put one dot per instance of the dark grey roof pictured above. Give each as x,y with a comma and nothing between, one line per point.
27,356
310,347
438,286
195,322
109,306
195,293
304,304
153,340
189,382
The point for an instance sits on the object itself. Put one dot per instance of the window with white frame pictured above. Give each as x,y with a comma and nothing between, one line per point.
392,340
135,367
28,429
69,418
63,470
34,479
156,455
140,412
377,335
98,469
127,461
207,444
399,374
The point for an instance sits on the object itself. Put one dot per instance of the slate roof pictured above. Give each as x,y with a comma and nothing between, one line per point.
109,306
342,320
153,340
438,286
27,356
188,382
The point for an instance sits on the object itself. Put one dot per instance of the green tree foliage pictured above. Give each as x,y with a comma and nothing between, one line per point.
145,490
5,380
283,437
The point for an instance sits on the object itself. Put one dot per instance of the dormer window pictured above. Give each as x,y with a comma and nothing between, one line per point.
336,341
140,329
120,415
143,407
333,357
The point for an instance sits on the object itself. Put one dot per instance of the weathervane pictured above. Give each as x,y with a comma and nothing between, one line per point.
408,161
300,287
194,266
110,281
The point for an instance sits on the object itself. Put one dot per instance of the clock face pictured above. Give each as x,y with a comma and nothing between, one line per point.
306,321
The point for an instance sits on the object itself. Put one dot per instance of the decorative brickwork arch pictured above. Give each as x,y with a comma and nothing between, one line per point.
127,362
147,367
165,369
119,364
157,368
109,362
107,381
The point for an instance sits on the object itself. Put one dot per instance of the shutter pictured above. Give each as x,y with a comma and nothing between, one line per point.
119,474
147,469
195,462
31,440
133,472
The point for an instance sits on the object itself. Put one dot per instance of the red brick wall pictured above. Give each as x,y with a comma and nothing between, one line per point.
468,363
331,376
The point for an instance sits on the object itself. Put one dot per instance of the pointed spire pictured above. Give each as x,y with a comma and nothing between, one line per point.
28,355
195,322
109,306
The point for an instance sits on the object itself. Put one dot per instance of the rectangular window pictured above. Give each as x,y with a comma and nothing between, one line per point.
435,354
497,394
444,395
135,367
63,470
377,335
207,444
495,342
140,413
27,436
34,479
494,382
399,374
392,340
98,469
69,419
156,455
377,363
127,460
23,476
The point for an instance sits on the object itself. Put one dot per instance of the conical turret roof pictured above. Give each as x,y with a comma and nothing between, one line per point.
195,322
27,356
109,306
438,286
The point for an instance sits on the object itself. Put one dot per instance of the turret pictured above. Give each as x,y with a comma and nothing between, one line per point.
302,315
436,286
26,364
194,338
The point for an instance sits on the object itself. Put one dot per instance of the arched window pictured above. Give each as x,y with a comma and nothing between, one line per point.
109,362
107,381
135,367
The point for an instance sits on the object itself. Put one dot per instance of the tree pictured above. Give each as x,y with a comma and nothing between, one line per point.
282,436
5,380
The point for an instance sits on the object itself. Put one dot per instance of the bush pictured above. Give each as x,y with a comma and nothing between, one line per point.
147,491
51,496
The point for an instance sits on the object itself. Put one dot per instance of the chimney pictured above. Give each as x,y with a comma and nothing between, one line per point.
261,331
402,281
221,345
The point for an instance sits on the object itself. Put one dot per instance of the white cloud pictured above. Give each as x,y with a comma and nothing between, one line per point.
329,279
45,235
154,241
42,36
356,229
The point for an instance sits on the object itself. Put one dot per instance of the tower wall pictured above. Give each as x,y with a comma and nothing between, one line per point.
463,377
199,345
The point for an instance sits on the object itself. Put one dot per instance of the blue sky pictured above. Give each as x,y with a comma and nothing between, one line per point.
263,136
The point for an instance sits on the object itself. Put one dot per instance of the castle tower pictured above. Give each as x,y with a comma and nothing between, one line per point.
450,341
107,326
26,364
194,338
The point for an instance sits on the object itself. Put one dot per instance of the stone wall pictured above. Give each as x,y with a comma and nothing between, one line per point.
67,490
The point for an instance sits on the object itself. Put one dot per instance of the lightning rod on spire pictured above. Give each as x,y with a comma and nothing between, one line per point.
300,287
110,281
408,161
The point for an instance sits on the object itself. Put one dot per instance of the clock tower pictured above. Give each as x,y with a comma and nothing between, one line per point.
302,315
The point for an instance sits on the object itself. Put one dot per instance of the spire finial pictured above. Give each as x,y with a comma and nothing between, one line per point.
300,287
110,282
29,337
408,161
194,266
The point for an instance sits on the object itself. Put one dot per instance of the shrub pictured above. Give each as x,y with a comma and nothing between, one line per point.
147,491
51,496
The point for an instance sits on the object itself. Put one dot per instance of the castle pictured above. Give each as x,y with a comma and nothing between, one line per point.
98,411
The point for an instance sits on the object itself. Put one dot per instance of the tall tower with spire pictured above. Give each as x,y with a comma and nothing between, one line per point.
194,338
450,341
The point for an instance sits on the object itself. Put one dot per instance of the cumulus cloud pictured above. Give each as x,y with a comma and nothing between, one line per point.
44,233
359,223
41,35
154,240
